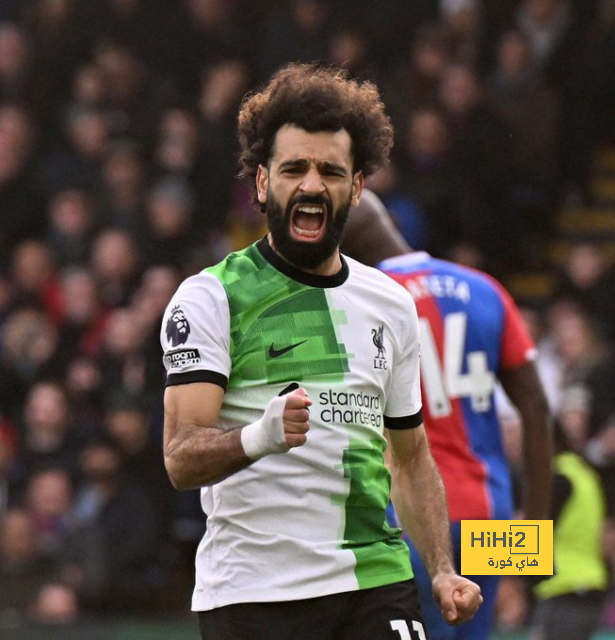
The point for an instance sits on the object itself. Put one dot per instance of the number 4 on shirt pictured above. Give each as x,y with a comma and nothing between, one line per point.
446,382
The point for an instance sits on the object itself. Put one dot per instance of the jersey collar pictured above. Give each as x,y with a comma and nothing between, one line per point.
416,257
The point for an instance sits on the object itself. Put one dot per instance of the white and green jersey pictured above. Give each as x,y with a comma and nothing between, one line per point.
312,521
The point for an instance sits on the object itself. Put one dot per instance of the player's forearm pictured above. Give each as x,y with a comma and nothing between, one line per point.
523,387
537,471
199,456
419,500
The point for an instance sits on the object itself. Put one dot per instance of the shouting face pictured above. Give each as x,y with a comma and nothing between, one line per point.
307,191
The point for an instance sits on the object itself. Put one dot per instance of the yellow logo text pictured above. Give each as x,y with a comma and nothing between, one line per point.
506,547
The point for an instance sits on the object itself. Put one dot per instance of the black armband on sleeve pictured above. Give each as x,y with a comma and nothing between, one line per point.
406,422
197,376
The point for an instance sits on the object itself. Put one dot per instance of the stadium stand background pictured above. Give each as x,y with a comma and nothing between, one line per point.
117,179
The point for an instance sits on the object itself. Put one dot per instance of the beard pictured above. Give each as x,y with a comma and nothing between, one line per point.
305,255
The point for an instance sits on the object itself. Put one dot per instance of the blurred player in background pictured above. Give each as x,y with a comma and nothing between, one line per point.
472,336
570,603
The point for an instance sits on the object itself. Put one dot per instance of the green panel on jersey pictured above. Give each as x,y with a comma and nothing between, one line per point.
368,534
281,330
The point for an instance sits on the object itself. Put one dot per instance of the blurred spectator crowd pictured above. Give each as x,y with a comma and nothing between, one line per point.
117,180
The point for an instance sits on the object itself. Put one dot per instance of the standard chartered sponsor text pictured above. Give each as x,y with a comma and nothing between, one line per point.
350,408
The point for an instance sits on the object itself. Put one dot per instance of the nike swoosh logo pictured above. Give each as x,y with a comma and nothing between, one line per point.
276,353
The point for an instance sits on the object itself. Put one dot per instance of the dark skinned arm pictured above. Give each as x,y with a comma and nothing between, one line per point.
523,387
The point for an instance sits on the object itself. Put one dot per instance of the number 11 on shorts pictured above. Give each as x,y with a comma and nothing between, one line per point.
401,626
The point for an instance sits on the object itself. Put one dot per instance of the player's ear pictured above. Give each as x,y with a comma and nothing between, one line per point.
262,183
357,187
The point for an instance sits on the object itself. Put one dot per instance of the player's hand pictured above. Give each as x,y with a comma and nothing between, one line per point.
457,597
296,417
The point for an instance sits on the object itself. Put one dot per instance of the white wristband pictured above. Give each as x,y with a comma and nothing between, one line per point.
266,435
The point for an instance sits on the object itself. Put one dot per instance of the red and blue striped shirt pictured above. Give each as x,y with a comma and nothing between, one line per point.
470,329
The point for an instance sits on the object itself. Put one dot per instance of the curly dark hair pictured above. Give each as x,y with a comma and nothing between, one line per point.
315,98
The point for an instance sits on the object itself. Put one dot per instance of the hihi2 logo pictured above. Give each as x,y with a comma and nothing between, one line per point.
507,547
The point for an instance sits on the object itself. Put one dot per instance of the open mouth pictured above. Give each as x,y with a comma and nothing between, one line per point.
308,222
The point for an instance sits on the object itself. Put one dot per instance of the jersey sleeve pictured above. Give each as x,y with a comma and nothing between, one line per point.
195,333
403,407
517,344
